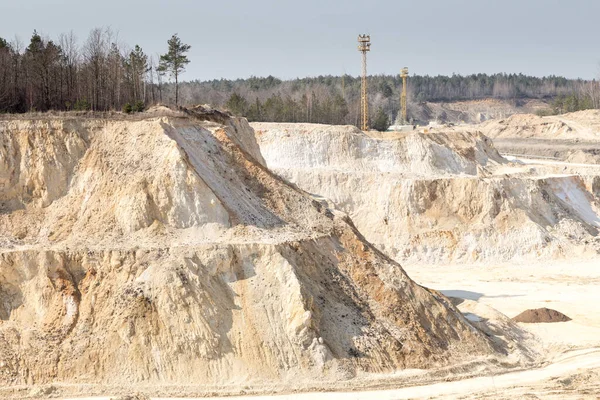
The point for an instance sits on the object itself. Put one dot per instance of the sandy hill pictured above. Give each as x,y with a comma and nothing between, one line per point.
581,125
343,148
439,197
471,111
571,137
160,250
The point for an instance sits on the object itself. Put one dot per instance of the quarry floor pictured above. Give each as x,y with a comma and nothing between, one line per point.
571,349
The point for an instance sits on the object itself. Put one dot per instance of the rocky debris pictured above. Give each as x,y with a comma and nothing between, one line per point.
162,250
541,315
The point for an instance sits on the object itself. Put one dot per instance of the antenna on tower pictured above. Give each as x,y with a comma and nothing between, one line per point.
364,45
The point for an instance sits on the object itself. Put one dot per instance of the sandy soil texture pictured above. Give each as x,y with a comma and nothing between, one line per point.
442,196
180,253
472,111
161,251
571,349
569,137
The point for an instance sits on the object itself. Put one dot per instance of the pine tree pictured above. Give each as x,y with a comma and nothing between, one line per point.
237,104
42,57
174,61
381,121
136,67
5,55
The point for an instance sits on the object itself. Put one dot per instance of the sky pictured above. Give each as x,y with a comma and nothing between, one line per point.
290,39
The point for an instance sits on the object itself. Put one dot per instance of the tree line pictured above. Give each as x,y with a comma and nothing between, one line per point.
100,74
336,99
586,99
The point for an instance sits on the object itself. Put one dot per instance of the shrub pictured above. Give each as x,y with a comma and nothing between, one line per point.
139,106
82,105
544,112
381,121
127,108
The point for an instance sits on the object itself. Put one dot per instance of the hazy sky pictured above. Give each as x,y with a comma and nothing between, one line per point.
290,39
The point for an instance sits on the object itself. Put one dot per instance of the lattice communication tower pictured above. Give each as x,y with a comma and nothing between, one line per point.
364,45
404,76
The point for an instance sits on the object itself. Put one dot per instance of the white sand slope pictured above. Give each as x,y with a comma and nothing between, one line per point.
581,125
440,197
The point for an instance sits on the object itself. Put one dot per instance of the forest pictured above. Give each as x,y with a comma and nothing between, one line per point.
336,99
103,74
100,74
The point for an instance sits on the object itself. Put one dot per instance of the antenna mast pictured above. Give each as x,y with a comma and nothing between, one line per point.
364,45
404,76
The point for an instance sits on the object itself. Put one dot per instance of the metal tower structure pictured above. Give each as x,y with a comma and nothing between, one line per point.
364,45
404,76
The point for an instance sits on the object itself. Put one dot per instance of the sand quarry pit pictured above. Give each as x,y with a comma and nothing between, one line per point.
185,254
487,228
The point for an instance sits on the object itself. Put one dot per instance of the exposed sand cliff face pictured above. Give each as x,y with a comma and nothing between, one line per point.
439,197
162,250
340,148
